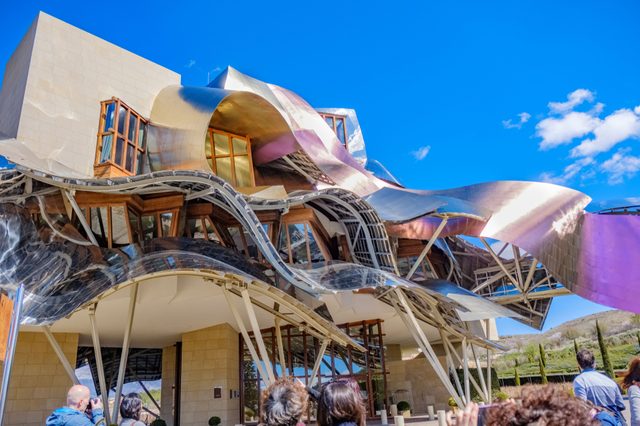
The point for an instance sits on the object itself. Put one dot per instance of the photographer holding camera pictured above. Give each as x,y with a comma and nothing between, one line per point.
81,410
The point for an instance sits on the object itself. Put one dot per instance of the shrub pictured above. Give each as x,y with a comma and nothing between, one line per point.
501,396
214,421
452,402
403,406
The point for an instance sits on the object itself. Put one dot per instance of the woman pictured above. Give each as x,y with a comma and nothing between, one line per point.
130,409
283,403
631,382
340,404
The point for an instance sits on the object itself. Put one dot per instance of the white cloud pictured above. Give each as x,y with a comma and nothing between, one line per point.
615,128
190,64
621,166
421,152
569,172
574,99
523,117
560,131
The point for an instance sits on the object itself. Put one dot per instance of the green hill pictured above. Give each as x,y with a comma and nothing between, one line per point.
622,337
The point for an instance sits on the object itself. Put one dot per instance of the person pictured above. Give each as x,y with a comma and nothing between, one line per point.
631,382
340,404
284,402
596,387
466,417
75,413
130,410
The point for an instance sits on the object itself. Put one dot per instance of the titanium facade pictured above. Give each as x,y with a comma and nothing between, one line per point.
240,204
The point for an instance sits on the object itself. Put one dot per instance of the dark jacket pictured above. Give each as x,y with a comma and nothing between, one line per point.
66,416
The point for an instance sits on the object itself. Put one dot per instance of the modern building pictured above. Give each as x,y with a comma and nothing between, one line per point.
219,237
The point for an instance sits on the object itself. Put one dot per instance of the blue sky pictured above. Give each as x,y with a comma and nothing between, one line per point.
447,93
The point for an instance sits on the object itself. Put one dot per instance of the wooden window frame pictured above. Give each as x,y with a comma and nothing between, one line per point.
116,133
336,117
307,218
212,158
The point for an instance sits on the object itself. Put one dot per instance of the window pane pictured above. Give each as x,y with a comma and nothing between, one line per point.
149,229
316,253
98,218
165,221
234,232
239,146
142,132
119,226
134,225
107,144
222,144
329,121
195,228
298,243
130,155
243,173
223,168
207,145
133,121
122,116
140,162
340,130
119,148
109,113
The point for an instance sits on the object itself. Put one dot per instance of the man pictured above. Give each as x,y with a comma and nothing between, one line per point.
74,414
596,387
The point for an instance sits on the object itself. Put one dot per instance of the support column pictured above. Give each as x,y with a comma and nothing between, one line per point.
104,392
125,349
11,348
61,356
319,357
258,334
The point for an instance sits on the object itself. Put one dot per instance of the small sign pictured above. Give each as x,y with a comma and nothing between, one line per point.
217,393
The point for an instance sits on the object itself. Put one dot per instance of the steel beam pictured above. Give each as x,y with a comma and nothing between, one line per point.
61,356
258,335
499,262
316,365
426,249
283,361
81,217
12,340
95,338
125,349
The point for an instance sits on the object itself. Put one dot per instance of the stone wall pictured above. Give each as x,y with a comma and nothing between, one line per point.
39,383
210,359
418,379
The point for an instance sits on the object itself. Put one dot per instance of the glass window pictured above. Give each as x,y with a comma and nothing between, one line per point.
223,168
196,229
211,230
149,228
134,224
119,226
222,144
166,219
99,224
340,130
229,157
337,124
302,243
129,132
109,115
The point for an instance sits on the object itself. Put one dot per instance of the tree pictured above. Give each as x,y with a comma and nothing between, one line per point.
516,377
530,352
575,346
543,373
606,361
543,355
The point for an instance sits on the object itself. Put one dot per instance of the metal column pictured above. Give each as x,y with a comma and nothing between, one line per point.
11,348
125,349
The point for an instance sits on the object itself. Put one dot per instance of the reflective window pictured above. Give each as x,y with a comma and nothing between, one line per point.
129,129
229,157
337,124
298,244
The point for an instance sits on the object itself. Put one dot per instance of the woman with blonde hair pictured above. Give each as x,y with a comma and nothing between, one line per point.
631,382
